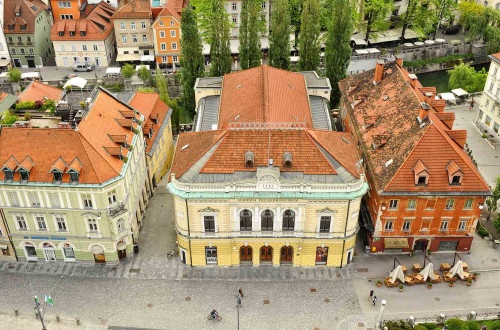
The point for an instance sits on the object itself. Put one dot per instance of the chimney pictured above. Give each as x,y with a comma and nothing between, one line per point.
399,60
428,98
413,80
438,104
379,70
423,112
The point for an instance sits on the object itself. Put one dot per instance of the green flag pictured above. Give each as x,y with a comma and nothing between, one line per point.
49,301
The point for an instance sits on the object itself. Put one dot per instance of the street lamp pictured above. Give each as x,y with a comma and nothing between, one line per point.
380,320
238,306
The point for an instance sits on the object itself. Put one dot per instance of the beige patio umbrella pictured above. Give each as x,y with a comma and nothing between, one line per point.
428,271
458,269
397,273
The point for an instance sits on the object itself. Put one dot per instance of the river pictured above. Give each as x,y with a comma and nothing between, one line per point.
440,78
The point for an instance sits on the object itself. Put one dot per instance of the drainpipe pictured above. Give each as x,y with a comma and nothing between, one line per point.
4,220
189,235
345,233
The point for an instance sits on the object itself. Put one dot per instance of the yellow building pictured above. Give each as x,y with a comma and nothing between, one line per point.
157,131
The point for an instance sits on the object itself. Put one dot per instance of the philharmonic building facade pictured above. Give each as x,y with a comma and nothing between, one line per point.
263,179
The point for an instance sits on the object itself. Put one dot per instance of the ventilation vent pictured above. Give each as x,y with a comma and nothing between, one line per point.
385,98
425,106
287,159
346,140
249,159
184,147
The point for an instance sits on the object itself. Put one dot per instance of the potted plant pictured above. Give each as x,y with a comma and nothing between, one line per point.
401,288
451,283
475,275
429,285
379,283
469,282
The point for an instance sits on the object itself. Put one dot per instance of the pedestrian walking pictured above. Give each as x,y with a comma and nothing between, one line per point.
374,300
240,292
371,295
471,104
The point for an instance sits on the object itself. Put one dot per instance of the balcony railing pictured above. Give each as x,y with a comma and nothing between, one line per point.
116,210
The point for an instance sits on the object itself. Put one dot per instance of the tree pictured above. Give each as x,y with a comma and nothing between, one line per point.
162,86
309,45
455,324
375,13
279,38
220,49
128,71
337,46
417,17
251,24
192,59
14,75
295,7
492,201
144,73
466,77
8,118
443,9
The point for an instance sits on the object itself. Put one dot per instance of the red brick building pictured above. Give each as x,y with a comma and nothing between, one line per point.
425,192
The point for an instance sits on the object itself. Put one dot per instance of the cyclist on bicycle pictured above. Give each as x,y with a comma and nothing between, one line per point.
213,313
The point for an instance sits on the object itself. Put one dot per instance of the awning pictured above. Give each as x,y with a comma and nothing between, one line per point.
360,42
112,70
429,42
28,75
459,92
361,51
408,44
121,245
419,43
128,57
294,58
147,58
4,61
76,81
440,40
396,243
97,249
3,246
235,45
447,96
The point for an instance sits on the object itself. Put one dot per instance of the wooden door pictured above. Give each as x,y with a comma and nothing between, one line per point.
122,254
246,253
286,254
266,253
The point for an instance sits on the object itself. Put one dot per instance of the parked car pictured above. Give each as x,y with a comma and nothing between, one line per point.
82,67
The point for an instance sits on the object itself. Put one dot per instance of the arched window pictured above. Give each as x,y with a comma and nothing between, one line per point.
267,220
246,220
288,220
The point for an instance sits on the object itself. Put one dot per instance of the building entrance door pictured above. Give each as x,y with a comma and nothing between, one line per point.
321,255
286,254
266,253
17,63
246,253
31,62
420,245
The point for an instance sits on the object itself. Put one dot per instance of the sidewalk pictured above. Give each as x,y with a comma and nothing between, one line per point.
23,322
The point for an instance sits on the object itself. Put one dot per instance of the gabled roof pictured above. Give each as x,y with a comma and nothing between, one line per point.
390,108
97,25
29,10
420,167
37,91
312,152
58,166
172,8
133,9
156,114
495,57
264,94
6,101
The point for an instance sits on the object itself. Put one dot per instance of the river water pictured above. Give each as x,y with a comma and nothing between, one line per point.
440,78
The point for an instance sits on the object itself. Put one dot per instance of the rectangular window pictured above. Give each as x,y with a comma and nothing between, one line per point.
143,25
32,51
263,5
19,40
234,20
161,23
132,25
163,46
487,121
426,225
211,255
42,226
87,201
13,51
209,222
112,197
461,225
22,51
95,47
64,4
449,204
120,225
412,204
21,222
172,33
444,225
66,61
54,199
389,225
144,38
468,203
34,200
73,48
162,34
175,58
406,225
63,48
84,47
324,224
393,204
174,46
61,224
92,223
14,201
28,39
172,23
431,203
124,39
234,5
122,25
164,59
134,38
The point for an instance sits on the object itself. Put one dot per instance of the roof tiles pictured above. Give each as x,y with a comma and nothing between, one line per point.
37,91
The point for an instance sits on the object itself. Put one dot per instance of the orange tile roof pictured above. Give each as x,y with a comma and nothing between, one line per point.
409,141
452,167
172,8
10,164
151,107
97,25
75,165
497,56
229,156
59,165
264,94
2,96
29,11
133,9
36,91
419,167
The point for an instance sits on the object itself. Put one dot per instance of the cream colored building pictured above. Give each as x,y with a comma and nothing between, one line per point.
98,52
489,108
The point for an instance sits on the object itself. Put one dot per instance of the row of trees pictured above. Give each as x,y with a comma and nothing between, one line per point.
482,23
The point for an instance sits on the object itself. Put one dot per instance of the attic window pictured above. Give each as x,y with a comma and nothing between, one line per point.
61,33
456,180
72,33
287,159
23,27
57,177
455,174
25,175
9,175
74,177
249,159
346,140
11,27
83,33
421,172
422,180
238,87
291,86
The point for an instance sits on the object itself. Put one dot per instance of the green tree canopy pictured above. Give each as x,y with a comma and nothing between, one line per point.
492,201
295,7
218,37
442,10
8,118
251,25
14,75
279,38
144,73
309,43
455,324
192,59
128,71
417,17
481,23
337,45
375,14
466,77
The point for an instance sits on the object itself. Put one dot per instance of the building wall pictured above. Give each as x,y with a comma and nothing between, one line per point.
491,3
7,250
4,48
170,25
140,46
67,51
304,240
27,44
233,8
43,44
161,157
489,108
60,8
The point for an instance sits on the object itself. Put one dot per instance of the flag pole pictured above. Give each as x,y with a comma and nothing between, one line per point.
37,304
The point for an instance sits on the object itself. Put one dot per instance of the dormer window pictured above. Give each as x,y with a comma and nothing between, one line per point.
61,33
23,27
456,179
57,177
249,159
287,159
9,175
72,33
421,172
73,177
455,174
25,175
83,33
11,27
422,180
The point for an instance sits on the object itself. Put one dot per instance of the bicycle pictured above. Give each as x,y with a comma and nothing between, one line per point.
175,252
217,317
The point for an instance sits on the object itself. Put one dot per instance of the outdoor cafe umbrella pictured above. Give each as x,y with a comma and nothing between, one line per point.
457,270
397,273
428,271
